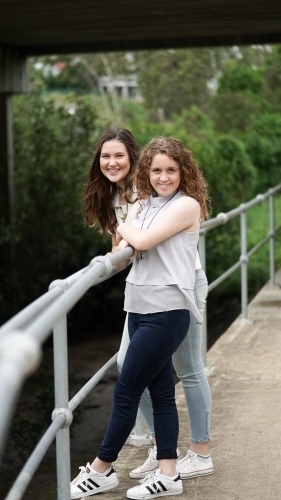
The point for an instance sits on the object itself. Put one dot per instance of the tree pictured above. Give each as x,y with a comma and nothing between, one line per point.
173,80
84,73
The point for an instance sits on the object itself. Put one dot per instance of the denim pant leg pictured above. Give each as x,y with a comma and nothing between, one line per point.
187,361
145,405
123,346
188,364
154,338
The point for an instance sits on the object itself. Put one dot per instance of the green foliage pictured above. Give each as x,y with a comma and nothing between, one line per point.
240,77
58,72
173,80
263,144
52,154
231,175
234,112
234,135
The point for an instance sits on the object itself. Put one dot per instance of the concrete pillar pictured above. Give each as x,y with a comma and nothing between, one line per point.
6,157
13,79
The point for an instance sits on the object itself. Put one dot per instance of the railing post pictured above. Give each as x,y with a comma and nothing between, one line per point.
202,255
138,436
61,404
244,264
271,241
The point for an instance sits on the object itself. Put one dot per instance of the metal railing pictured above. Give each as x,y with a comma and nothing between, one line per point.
21,339
245,254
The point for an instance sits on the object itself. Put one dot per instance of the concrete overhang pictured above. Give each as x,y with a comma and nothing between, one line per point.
70,26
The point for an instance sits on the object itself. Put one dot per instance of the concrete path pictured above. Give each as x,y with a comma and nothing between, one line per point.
246,421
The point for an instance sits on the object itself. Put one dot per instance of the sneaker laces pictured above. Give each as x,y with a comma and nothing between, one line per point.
189,458
150,478
82,476
151,456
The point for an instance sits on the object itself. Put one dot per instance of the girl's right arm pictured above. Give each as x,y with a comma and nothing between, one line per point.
129,219
123,243
182,215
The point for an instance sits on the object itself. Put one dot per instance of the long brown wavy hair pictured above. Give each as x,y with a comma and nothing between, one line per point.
192,181
99,191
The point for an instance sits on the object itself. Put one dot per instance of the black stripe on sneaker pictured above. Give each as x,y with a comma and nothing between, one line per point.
177,478
162,485
93,482
86,485
150,490
81,488
110,472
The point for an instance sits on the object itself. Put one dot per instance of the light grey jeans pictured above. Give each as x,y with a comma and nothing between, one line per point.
189,367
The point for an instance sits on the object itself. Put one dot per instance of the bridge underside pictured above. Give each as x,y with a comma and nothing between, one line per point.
50,26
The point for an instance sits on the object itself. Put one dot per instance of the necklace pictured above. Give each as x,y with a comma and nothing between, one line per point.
123,212
140,254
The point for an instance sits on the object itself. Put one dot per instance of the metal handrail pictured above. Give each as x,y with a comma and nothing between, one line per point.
22,336
19,487
21,339
245,255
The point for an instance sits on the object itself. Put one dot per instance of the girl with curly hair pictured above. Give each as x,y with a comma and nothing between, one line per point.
163,227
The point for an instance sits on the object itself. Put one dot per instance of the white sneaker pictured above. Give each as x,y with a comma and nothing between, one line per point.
156,485
151,464
192,466
89,482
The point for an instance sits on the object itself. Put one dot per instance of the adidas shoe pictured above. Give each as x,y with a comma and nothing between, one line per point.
89,482
156,485
192,466
151,464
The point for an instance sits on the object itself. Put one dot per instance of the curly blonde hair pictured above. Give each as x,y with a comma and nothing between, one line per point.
192,181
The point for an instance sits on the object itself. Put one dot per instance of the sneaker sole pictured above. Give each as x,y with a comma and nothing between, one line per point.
96,491
196,474
162,494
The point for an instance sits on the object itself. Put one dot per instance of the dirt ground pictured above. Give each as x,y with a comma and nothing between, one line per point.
84,361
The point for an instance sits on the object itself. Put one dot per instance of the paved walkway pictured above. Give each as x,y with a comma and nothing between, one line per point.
246,390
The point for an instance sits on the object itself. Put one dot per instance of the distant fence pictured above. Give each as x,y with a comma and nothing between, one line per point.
21,339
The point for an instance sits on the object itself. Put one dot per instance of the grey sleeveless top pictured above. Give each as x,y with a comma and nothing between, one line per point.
164,279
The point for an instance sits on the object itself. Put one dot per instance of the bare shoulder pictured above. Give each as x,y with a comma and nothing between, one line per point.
186,203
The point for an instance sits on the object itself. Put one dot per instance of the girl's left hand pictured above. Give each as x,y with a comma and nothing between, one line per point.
122,244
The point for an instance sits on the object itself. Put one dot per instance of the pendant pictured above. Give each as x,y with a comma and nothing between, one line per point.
123,217
123,213
140,255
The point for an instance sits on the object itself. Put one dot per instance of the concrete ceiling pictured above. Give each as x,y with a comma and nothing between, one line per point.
67,26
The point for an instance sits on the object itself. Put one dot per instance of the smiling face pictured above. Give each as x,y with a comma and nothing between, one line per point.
115,161
164,174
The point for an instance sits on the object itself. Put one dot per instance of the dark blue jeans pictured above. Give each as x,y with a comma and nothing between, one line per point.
148,363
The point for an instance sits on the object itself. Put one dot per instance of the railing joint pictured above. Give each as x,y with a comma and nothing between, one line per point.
244,259
67,413
105,261
21,350
223,216
63,284
260,198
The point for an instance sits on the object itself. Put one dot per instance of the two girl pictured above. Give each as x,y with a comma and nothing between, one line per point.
163,227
